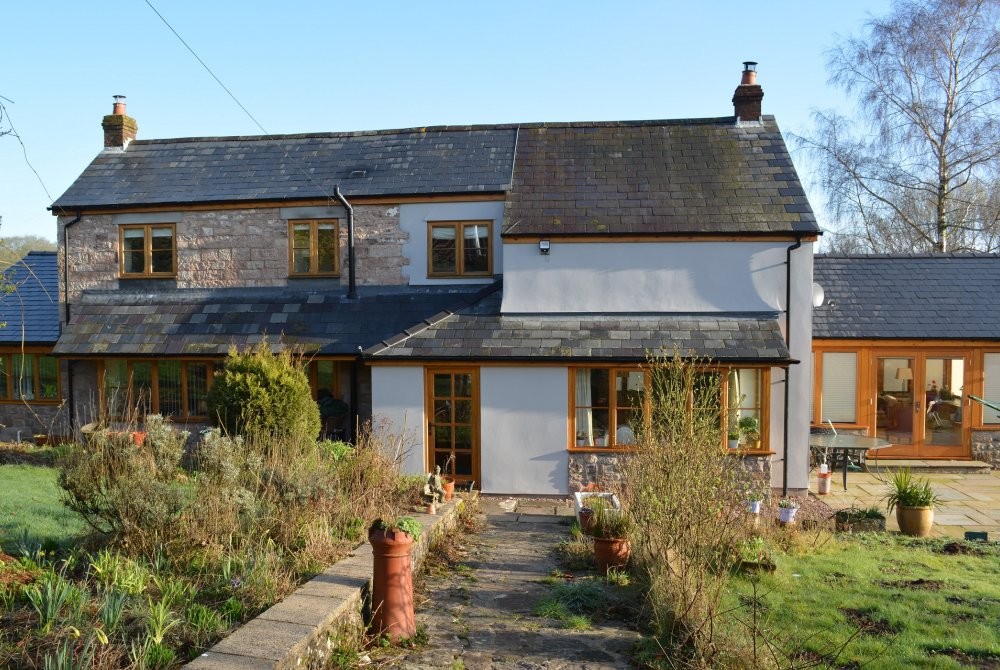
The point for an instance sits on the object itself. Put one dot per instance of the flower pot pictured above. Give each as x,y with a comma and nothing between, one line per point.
787,514
734,444
586,519
915,521
823,483
41,440
753,506
612,552
448,484
392,584
139,437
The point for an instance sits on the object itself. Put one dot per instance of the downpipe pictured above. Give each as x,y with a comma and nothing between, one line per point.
788,344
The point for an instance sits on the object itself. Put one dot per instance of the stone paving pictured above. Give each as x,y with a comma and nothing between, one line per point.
481,617
969,502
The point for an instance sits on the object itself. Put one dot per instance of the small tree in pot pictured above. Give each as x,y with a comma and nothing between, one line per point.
914,501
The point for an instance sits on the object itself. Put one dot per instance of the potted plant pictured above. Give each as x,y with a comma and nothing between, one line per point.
587,514
857,520
612,548
754,500
914,501
733,439
755,555
581,439
749,428
40,439
392,579
787,509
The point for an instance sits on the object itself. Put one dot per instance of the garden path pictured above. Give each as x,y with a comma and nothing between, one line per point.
482,617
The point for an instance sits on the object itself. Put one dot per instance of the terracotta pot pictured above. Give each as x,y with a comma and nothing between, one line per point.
915,521
448,484
586,517
392,584
138,437
612,552
41,440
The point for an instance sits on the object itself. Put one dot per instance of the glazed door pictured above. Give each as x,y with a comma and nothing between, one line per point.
921,405
453,422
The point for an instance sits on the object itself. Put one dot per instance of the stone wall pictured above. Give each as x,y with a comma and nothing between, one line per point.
235,247
986,447
22,420
603,469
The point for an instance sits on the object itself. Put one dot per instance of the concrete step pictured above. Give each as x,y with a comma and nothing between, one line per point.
926,466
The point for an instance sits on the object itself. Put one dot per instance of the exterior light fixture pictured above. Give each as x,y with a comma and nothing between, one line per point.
543,247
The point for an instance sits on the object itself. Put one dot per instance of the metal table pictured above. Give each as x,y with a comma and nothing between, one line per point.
846,444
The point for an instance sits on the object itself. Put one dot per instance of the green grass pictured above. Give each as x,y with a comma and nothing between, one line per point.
908,604
29,502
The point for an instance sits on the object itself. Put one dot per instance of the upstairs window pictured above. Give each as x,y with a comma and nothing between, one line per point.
148,250
459,249
314,247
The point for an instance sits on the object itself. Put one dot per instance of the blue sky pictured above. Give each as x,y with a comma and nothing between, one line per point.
302,66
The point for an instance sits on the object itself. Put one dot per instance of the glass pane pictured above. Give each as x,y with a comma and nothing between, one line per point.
326,375
132,238
463,386
24,376
4,377
463,463
326,240
197,389
300,260
991,389
601,419
943,397
163,261
442,385
163,238
630,385
48,377
169,388
442,437
840,387
463,437
443,252
132,261
463,411
627,424
443,460
442,411
476,249
115,386
895,406
141,388
300,236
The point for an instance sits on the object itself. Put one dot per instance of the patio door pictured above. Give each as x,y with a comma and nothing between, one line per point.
920,404
452,397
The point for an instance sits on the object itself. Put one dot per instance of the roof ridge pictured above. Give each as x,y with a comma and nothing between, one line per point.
909,256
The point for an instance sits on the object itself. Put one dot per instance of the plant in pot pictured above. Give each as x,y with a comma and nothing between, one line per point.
755,555
857,520
392,579
612,547
733,438
587,514
749,428
754,499
787,508
914,501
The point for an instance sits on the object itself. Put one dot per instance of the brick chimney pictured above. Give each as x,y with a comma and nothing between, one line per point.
748,95
119,128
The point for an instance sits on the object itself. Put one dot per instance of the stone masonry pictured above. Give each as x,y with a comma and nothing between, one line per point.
986,447
604,469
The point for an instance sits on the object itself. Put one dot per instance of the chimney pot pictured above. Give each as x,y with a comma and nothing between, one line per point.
119,127
748,96
119,106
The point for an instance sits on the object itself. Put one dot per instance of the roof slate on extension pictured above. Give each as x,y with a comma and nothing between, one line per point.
945,296
480,331
31,312
691,176
467,159
187,322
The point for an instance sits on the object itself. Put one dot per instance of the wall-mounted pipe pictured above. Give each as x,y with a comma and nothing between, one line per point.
352,290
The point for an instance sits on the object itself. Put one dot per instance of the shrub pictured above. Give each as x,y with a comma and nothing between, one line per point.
261,393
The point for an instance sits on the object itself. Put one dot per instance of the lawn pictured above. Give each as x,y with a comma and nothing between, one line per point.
29,502
895,602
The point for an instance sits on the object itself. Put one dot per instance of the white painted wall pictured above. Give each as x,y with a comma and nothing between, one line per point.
398,398
800,376
525,423
413,220
616,277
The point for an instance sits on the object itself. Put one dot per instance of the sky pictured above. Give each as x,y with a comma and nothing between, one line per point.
302,66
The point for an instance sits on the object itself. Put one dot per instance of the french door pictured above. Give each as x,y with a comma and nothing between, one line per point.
921,406
452,410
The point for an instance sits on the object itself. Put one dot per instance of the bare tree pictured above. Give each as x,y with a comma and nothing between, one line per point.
918,169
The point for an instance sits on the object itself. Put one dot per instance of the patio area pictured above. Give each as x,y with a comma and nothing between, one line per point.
969,502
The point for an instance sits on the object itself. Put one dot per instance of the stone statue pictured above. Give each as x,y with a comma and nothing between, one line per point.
434,489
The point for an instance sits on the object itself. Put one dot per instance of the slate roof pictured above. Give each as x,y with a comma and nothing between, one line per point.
443,160
690,176
480,331
945,296
35,303
187,322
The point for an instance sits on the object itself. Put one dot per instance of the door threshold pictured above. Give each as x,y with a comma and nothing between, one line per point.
926,465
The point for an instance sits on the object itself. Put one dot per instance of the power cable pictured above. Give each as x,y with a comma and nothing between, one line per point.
24,149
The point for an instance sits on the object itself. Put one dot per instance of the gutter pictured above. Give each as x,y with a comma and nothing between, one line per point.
352,290
788,344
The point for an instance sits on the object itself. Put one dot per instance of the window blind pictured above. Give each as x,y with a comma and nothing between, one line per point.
840,387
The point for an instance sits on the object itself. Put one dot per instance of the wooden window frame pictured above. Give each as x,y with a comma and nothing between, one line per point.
313,247
9,381
313,372
154,400
147,253
476,420
459,228
764,397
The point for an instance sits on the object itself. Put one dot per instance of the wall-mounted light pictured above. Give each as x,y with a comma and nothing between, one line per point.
543,247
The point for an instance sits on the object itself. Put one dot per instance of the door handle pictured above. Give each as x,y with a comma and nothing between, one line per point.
916,407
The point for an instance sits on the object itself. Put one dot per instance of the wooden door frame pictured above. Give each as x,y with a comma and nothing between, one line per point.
429,372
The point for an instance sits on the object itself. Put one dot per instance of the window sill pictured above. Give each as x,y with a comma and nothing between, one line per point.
315,275
599,450
749,452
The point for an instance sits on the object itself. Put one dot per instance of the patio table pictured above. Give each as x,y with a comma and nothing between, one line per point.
846,444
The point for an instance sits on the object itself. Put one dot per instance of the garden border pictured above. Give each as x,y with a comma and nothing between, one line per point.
300,631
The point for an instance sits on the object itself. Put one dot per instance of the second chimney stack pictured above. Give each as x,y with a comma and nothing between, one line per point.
748,95
119,128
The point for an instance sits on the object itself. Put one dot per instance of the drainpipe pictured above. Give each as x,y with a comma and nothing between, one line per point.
355,370
69,363
352,291
788,343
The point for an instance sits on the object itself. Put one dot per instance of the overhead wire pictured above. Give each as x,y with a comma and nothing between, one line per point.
24,149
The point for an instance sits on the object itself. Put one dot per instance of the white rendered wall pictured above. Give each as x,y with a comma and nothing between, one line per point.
525,423
800,376
398,398
644,277
413,220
